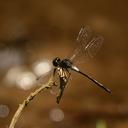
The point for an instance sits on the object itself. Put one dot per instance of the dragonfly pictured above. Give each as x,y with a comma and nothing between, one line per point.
88,45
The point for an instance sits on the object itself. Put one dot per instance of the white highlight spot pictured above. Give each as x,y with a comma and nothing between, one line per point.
12,75
42,67
26,80
56,115
4,111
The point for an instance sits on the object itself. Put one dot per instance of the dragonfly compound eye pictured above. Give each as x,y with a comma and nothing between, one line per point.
56,61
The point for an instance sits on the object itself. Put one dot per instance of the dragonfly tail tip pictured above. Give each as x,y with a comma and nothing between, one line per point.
109,91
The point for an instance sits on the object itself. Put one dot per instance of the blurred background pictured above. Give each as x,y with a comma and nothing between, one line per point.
33,33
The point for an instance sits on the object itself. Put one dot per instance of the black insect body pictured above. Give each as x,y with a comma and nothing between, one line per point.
88,46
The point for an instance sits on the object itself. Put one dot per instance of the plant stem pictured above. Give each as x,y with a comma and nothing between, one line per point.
27,100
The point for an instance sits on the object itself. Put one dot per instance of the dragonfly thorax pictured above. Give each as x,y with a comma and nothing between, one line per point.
65,63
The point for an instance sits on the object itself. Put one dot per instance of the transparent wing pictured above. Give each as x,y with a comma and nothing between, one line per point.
88,45
84,35
93,46
42,79
82,39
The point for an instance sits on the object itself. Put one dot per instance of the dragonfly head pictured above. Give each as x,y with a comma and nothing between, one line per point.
56,62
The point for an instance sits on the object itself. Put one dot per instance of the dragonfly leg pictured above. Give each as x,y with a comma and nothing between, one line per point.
54,72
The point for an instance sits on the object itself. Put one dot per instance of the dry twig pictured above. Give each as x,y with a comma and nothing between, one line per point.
27,100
